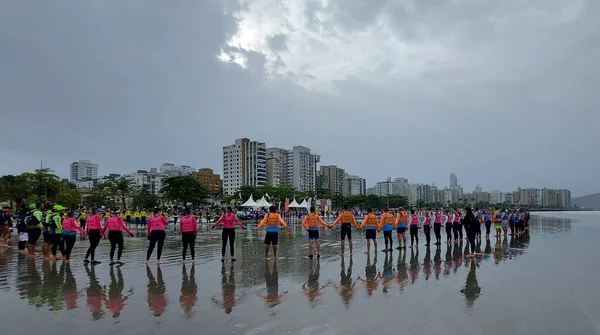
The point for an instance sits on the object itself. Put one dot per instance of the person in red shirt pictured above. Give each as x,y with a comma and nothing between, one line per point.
156,234
189,230
229,219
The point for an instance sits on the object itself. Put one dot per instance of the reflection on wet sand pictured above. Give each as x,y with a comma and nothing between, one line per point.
189,290
388,270
437,260
347,286
94,294
471,291
311,288
157,298
70,293
272,298
229,298
372,277
116,300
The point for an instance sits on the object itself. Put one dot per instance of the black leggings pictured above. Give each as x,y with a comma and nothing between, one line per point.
437,230
471,238
116,239
457,231
94,236
414,234
449,232
228,233
387,235
58,243
69,242
488,226
427,231
156,236
189,240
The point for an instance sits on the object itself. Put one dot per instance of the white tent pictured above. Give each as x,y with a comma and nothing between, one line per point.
304,204
294,204
263,203
250,203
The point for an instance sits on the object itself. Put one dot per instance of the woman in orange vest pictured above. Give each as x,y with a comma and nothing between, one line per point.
371,224
311,224
401,224
273,220
346,218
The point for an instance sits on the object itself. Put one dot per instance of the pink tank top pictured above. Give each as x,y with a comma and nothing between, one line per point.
93,222
438,218
414,220
457,217
427,221
157,223
188,224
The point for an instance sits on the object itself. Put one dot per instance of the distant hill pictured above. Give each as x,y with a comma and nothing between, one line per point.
588,201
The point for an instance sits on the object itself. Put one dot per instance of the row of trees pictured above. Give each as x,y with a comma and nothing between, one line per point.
45,186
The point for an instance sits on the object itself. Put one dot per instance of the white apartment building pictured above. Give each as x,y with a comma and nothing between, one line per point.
354,185
83,170
384,188
244,163
497,197
303,169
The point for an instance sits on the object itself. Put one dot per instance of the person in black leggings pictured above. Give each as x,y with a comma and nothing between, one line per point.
156,234
448,225
189,230
94,229
229,219
470,223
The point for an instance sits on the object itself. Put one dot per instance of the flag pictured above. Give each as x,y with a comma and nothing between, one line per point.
287,204
267,196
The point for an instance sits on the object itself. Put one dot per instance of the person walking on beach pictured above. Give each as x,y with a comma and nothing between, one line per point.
346,218
189,231
156,234
114,226
93,226
401,224
228,220
487,218
273,220
470,223
143,217
136,218
58,242
69,233
311,224
388,224
497,217
82,219
371,225
414,228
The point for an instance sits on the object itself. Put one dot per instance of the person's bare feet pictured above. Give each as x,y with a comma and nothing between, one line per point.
159,262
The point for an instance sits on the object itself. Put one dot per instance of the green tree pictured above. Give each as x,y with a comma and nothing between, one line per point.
143,198
99,195
121,189
14,189
69,198
184,189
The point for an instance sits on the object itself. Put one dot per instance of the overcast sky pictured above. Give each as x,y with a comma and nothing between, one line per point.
502,93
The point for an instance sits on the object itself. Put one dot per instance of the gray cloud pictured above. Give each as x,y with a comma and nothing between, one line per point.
503,95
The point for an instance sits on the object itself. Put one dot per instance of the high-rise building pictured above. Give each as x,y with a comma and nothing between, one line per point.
279,167
303,169
166,168
170,169
332,178
354,185
401,187
244,163
83,170
477,189
481,197
384,188
549,198
496,197
210,180
453,180
563,198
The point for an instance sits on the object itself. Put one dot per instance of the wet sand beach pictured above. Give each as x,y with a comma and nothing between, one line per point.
546,283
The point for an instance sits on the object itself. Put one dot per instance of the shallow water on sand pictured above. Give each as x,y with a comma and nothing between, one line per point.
544,284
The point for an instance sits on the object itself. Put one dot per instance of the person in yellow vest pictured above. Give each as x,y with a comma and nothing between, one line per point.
371,225
346,218
143,217
311,224
401,224
273,220
82,219
136,218
128,218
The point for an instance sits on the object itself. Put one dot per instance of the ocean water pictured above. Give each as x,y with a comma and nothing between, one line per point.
546,283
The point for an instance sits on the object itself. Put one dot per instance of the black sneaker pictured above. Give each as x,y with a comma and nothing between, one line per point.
310,256
86,261
96,262
398,248
112,263
318,255
120,263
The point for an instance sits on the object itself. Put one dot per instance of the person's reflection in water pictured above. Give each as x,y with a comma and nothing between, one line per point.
273,298
227,290
472,291
189,291
52,286
505,249
387,275
116,301
29,284
488,247
371,275
346,288
448,262
157,299
402,271
457,255
70,292
94,294
427,264
498,251
414,265
311,288
437,261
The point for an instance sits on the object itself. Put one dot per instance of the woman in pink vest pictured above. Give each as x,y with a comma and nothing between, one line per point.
414,228
156,234
427,228
189,230
229,219
114,225
93,226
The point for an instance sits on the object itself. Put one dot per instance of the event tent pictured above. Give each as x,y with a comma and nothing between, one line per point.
250,203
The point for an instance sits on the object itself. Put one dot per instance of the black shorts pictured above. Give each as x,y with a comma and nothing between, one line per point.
313,234
47,237
387,233
143,221
346,231
271,238
400,230
371,234
128,219
33,235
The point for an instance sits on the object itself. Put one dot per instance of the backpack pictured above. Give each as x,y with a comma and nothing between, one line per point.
30,219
